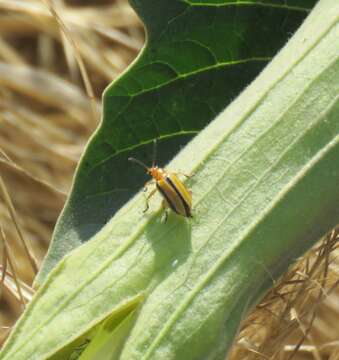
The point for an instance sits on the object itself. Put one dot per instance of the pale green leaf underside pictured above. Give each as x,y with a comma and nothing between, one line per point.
265,189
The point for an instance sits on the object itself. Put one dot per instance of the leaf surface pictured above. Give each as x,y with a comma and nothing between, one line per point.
198,57
265,189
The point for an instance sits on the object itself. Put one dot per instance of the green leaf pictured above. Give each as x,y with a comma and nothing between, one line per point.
110,338
265,189
100,340
198,58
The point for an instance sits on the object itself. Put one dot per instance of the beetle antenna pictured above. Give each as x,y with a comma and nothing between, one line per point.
154,152
138,162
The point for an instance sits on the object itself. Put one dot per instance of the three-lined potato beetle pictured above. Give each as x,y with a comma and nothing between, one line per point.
175,194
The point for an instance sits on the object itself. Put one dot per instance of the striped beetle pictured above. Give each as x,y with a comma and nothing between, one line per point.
175,194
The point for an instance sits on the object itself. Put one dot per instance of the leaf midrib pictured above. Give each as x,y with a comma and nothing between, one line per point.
248,3
181,76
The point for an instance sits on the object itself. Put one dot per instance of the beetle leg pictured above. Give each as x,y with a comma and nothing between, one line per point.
165,207
148,197
147,184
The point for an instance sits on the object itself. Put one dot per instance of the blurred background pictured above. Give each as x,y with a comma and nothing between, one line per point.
46,112
55,61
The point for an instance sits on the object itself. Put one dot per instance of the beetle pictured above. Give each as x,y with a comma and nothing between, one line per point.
174,193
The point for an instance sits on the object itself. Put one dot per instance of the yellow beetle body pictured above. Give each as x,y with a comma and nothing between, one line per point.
175,194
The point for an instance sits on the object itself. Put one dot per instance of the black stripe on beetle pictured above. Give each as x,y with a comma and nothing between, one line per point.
186,206
169,202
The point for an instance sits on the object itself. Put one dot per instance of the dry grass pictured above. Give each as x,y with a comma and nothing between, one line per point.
47,115
49,108
299,317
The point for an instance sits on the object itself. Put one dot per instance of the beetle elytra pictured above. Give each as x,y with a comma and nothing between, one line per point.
175,194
